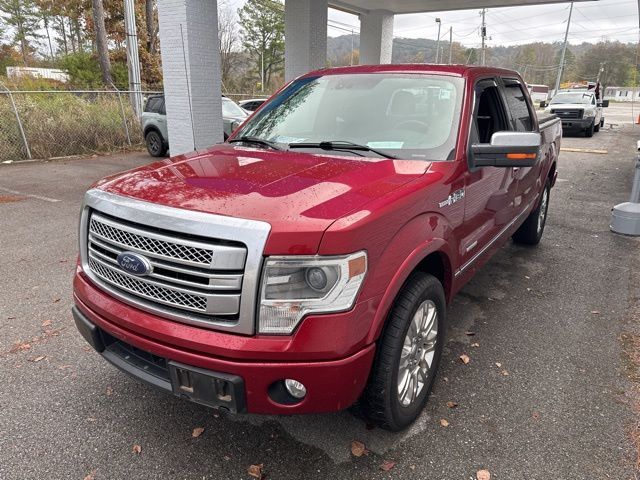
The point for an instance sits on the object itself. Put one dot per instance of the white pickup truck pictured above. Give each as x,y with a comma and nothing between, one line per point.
579,110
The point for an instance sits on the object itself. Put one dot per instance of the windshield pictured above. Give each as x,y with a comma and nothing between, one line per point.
410,116
573,97
231,109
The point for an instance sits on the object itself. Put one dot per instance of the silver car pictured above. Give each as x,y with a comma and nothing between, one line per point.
154,123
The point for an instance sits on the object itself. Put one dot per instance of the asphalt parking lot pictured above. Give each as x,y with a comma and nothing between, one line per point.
546,394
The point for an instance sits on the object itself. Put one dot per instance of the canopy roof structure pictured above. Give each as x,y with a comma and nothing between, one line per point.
400,7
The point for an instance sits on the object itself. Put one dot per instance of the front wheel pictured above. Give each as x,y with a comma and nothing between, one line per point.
408,355
589,131
530,232
155,144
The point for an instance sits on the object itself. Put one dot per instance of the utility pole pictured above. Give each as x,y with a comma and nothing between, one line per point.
483,34
133,60
262,71
351,62
564,51
450,44
438,43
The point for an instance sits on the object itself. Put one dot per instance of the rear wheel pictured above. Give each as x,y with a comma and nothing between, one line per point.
408,355
155,144
530,232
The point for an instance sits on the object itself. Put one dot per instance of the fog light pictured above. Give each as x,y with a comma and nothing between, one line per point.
295,388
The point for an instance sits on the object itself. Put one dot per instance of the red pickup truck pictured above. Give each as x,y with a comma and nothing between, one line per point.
306,264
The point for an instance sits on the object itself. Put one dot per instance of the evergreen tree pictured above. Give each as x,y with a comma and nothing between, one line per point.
22,18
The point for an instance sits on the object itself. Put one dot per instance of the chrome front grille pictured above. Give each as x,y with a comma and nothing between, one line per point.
182,275
203,269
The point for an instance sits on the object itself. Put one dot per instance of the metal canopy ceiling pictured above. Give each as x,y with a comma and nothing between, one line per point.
419,6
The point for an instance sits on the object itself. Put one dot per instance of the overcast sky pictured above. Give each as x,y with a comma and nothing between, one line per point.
591,22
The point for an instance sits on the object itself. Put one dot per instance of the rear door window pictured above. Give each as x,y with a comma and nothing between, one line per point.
517,104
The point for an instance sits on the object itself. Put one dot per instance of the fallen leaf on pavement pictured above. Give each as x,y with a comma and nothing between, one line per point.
498,364
56,300
446,379
595,312
464,358
197,432
37,359
358,449
469,333
136,449
476,344
444,422
412,467
387,465
535,415
47,323
483,475
91,475
20,347
255,471
505,373
109,391
11,318
451,404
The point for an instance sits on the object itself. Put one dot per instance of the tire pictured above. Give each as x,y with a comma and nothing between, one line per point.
530,232
382,403
156,146
602,123
597,128
589,131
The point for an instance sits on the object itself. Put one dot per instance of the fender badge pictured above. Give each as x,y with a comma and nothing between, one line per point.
452,198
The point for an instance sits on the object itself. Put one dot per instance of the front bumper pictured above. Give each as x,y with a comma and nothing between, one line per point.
331,385
577,124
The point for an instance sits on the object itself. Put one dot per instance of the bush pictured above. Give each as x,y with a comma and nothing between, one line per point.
60,124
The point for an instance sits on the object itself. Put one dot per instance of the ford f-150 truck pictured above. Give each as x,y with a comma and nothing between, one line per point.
306,264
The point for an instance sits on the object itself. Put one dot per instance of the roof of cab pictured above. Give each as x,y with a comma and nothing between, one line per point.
456,70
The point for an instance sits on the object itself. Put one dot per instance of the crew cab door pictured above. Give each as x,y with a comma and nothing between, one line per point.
489,191
522,119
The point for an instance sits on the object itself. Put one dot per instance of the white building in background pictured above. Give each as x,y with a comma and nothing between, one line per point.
13,73
622,94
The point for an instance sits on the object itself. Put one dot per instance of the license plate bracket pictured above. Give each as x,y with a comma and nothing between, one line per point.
213,389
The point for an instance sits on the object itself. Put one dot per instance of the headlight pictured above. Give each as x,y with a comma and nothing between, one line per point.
294,287
589,113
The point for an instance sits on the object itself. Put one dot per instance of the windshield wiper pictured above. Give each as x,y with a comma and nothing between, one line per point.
340,145
256,141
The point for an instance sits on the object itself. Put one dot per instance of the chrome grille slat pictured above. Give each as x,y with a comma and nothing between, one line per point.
213,281
173,249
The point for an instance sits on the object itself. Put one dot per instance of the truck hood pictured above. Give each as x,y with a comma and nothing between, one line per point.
299,194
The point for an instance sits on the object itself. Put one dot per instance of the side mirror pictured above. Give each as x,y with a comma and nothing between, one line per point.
543,104
507,149
605,103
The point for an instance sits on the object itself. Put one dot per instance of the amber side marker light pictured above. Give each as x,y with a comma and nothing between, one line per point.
521,156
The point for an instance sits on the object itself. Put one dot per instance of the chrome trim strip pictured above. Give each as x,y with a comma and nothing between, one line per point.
492,241
251,233
223,257
219,282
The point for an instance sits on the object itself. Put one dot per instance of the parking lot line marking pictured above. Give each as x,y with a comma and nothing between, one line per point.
583,150
39,197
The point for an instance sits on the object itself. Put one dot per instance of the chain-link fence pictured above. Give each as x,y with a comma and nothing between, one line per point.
57,123
47,124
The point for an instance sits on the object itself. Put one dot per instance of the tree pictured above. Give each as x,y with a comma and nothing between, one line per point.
229,40
262,23
101,41
22,18
613,57
151,22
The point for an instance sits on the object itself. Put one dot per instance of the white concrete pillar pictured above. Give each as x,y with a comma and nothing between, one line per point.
191,71
376,37
305,34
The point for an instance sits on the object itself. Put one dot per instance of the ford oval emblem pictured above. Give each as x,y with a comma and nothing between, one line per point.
134,264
